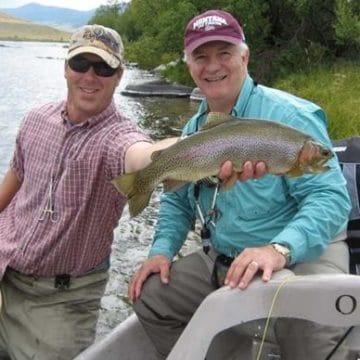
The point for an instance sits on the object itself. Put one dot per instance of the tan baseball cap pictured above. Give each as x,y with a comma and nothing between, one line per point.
98,40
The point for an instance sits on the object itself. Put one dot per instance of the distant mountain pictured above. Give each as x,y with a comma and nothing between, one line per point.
61,18
12,28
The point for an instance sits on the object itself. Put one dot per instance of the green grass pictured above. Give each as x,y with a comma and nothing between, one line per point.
12,28
336,89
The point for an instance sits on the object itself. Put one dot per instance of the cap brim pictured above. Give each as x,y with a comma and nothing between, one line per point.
111,60
230,39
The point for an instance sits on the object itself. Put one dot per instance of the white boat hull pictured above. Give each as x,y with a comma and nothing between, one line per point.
327,299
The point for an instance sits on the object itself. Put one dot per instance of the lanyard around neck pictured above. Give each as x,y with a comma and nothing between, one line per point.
206,219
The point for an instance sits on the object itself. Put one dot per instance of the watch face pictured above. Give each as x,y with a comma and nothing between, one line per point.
283,250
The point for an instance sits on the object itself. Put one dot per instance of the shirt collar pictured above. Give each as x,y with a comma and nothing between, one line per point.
93,120
240,106
243,99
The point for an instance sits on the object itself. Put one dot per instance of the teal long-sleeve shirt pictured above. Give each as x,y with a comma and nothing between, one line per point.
302,213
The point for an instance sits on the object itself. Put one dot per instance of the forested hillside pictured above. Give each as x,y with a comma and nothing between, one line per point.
308,47
283,36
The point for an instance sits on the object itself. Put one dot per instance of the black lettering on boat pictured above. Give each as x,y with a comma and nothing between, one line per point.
346,304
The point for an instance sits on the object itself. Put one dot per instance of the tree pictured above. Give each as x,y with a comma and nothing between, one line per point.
283,35
347,26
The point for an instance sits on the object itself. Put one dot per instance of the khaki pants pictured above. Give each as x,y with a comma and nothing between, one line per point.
164,311
40,322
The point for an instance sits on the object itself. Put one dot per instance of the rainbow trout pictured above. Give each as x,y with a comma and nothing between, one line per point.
285,150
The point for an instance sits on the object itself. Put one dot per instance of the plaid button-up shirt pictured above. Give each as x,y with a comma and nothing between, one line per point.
79,162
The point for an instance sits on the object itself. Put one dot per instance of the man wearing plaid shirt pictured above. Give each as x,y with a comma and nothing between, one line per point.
58,208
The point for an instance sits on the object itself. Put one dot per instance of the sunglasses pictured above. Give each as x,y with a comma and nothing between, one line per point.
81,65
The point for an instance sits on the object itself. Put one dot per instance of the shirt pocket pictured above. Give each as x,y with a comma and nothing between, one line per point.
75,183
259,199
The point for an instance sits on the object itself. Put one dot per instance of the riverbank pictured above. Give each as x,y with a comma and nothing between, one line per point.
157,87
15,29
336,89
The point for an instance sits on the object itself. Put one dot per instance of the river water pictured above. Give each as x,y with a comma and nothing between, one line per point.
32,74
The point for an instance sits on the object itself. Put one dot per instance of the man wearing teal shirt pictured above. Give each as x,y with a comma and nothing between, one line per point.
264,224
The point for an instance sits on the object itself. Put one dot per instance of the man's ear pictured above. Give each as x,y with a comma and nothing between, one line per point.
245,56
119,75
66,65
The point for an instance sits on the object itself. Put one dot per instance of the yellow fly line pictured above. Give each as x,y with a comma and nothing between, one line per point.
275,298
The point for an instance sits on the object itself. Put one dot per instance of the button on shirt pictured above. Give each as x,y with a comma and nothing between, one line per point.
79,162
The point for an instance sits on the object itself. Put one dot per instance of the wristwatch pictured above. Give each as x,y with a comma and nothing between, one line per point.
283,250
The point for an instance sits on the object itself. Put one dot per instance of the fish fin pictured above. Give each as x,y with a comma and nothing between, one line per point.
155,154
321,169
215,119
295,171
316,169
138,202
173,185
125,183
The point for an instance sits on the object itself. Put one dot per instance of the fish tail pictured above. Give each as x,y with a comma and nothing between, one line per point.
125,183
137,200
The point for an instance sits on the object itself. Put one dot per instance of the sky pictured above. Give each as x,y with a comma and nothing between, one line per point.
72,4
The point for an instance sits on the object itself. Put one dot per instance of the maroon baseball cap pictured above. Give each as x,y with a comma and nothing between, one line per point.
212,25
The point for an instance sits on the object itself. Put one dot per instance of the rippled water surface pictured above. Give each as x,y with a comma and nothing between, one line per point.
32,74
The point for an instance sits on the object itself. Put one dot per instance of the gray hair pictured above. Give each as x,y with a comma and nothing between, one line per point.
242,48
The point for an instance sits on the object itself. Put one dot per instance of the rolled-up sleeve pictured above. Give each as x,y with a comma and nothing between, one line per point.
175,221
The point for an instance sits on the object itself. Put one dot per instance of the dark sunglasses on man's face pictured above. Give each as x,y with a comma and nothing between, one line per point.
81,65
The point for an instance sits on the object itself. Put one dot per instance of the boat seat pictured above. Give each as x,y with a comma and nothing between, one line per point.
128,341
327,299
